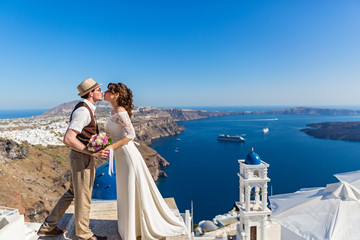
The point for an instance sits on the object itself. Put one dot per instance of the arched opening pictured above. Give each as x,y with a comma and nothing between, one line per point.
252,194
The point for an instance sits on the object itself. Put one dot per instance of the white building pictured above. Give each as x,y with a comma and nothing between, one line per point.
253,203
13,226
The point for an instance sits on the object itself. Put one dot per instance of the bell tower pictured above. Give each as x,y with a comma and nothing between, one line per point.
252,198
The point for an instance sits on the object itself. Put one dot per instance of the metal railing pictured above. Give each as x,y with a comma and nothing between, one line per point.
6,211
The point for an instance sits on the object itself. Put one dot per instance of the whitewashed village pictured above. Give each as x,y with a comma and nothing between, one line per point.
329,212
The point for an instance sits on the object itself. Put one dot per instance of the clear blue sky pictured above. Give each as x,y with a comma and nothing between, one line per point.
182,53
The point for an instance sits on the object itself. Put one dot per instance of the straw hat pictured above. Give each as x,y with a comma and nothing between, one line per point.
86,86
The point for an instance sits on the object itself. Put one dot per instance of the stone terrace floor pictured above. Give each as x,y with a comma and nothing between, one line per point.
102,221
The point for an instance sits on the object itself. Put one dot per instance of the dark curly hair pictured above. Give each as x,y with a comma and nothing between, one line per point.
125,98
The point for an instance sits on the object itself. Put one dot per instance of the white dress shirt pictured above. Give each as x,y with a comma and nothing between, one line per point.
81,117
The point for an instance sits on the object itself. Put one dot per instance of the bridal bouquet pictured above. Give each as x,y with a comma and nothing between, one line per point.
99,142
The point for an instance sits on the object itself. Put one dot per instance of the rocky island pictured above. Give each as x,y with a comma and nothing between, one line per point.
347,131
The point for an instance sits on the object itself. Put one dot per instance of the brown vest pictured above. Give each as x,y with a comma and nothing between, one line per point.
88,130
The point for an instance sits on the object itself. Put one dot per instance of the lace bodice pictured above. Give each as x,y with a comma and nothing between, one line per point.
119,125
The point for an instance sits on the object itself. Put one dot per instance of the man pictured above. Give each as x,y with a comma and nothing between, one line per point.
81,127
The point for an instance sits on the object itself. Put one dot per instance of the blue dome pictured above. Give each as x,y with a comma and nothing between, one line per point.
104,184
252,158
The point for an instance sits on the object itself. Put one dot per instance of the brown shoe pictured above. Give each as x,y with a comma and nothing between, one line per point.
94,237
54,232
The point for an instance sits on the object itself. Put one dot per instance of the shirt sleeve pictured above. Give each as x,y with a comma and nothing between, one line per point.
80,118
124,120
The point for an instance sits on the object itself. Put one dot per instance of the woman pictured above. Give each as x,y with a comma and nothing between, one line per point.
141,209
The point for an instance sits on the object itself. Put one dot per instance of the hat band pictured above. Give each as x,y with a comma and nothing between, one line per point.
94,86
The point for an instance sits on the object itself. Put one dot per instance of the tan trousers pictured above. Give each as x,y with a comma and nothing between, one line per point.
81,185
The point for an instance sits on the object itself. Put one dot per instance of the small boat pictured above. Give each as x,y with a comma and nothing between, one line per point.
178,139
265,130
176,150
224,137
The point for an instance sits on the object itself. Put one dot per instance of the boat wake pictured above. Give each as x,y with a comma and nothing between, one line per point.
252,120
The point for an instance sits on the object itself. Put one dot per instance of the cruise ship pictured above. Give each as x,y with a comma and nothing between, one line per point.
223,137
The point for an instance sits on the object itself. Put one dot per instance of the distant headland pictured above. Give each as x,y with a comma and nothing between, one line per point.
311,111
181,114
346,131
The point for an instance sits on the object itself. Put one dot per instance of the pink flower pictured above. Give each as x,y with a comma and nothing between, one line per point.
99,142
97,147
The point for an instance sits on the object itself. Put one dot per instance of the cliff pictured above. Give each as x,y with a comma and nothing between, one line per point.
34,182
178,114
146,130
153,161
32,178
347,131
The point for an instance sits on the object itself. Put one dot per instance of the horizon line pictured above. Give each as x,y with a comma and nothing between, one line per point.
199,106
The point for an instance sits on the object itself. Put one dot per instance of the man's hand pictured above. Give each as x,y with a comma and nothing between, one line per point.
102,154
71,141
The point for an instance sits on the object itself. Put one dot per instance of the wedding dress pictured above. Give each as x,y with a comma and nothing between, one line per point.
141,209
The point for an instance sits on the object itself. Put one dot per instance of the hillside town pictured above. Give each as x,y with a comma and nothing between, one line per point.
43,131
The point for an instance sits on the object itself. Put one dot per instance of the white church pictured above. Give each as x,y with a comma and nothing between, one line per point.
253,208
252,205
249,220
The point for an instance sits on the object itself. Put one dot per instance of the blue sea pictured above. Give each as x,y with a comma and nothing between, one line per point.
205,171
20,113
